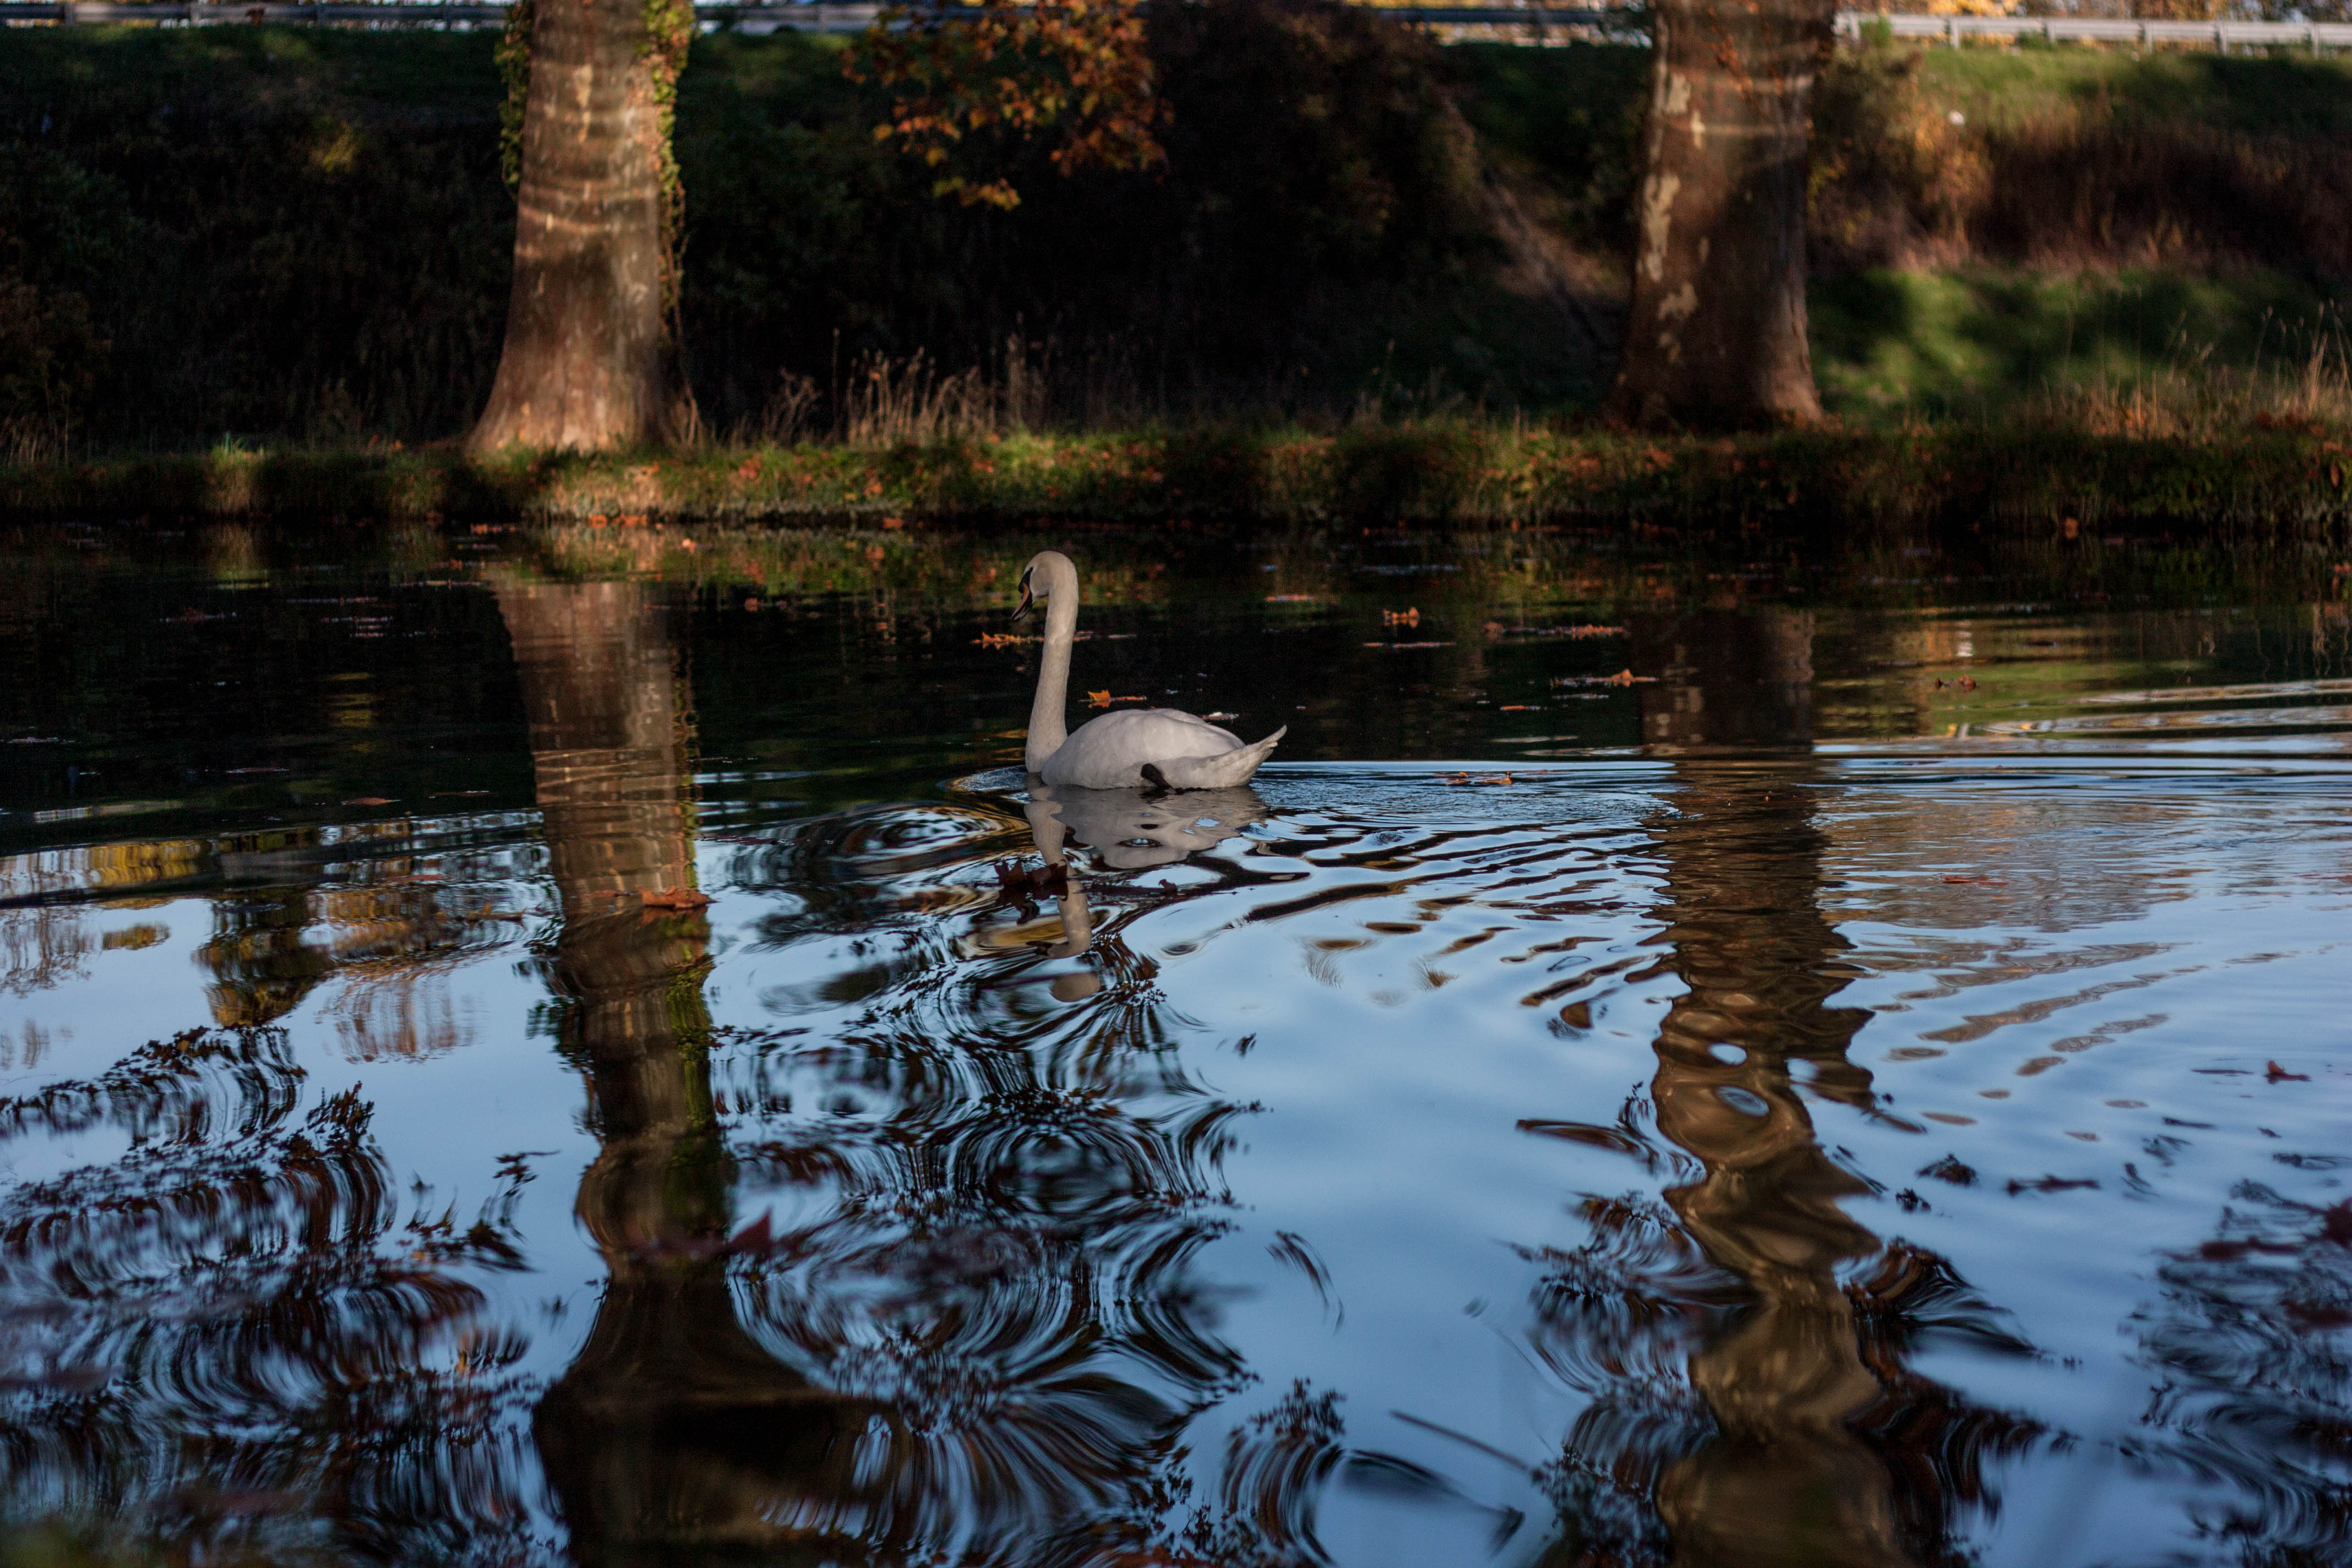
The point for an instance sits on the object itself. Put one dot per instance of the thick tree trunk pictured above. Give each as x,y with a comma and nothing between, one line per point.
589,360
1718,334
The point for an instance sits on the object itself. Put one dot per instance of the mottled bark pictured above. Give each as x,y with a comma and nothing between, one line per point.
674,1433
1716,336
590,361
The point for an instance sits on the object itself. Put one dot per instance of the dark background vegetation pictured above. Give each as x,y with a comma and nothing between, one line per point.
273,234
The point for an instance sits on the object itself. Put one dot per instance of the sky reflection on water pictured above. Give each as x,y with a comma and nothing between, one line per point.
1779,1123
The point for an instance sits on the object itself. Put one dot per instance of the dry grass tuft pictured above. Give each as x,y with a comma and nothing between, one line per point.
2195,399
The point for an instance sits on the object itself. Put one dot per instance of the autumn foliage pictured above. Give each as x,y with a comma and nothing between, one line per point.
1076,69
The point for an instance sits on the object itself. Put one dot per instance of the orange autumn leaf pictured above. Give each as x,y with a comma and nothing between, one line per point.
1012,70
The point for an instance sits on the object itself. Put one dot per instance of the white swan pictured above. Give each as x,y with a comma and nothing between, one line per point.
1156,746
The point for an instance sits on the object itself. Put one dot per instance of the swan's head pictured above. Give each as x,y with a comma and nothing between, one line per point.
1038,577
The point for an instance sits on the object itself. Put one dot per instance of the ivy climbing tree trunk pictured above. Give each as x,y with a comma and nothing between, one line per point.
1718,332
591,357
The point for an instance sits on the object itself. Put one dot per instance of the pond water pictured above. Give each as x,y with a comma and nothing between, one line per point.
1834,1061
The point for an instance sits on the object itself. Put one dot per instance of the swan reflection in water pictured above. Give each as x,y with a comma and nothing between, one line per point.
1126,830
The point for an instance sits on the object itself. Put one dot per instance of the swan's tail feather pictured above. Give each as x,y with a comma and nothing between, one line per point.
1221,772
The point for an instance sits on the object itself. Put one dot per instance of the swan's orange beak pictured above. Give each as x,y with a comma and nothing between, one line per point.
1026,603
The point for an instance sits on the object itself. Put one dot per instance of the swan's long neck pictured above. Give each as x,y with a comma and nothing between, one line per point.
1046,730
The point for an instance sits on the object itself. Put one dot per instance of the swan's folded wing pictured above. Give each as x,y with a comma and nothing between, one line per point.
1221,770
1109,753
1195,721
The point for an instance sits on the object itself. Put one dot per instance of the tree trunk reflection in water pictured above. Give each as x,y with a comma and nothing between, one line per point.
1727,678
1784,1477
674,1432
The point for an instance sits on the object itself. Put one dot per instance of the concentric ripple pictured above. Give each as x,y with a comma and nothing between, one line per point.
1662,1070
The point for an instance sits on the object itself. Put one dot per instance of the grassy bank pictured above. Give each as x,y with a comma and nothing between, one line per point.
2286,475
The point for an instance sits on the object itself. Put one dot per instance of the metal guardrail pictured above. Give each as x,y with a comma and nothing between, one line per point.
2312,35
815,18
1627,23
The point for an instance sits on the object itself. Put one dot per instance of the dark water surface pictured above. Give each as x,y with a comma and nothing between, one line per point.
1865,1085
